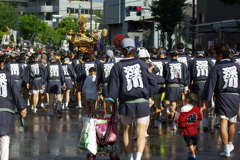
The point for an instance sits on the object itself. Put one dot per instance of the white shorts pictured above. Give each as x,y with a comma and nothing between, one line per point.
232,120
42,91
128,120
31,92
4,147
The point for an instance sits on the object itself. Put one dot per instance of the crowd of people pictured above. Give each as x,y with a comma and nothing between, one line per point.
140,85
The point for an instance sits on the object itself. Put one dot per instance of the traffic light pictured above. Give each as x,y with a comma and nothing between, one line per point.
137,9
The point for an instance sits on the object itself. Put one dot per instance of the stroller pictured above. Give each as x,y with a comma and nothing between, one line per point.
106,137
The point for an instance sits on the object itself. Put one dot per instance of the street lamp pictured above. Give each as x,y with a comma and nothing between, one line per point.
193,18
91,13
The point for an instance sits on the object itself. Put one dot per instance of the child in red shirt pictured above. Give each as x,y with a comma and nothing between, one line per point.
187,120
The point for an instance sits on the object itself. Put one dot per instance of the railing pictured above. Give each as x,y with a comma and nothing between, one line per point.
42,9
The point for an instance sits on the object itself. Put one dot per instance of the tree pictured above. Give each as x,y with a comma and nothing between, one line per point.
230,2
48,36
98,16
168,14
66,24
8,18
30,25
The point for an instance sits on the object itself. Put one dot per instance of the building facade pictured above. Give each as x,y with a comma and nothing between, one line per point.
52,11
120,21
19,5
220,24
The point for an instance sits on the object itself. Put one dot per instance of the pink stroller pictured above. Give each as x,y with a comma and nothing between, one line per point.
106,137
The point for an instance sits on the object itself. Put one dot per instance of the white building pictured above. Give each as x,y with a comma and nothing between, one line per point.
52,11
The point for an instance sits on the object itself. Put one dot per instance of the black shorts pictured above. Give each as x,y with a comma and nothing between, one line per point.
190,140
197,88
54,87
69,84
174,94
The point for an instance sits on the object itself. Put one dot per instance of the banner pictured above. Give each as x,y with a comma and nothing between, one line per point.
5,39
65,45
14,33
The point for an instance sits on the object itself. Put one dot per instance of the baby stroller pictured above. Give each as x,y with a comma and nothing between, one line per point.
106,138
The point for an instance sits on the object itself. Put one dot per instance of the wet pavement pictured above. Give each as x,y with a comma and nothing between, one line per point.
57,138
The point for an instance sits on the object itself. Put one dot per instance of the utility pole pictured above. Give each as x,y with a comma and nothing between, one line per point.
37,18
91,13
79,11
193,31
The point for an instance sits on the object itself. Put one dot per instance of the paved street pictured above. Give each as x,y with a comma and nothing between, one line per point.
56,138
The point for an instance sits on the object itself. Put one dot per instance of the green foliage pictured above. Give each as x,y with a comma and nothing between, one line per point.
7,16
230,2
168,13
30,25
99,16
66,24
49,36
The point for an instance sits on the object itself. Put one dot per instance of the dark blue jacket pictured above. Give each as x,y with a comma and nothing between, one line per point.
224,82
9,97
129,79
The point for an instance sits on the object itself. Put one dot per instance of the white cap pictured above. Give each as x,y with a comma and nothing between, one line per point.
127,42
109,53
142,53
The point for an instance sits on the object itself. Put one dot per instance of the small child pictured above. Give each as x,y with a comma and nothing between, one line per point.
91,93
187,120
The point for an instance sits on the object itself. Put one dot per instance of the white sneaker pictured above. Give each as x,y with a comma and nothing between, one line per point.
156,123
79,107
174,126
28,102
226,152
230,147
35,110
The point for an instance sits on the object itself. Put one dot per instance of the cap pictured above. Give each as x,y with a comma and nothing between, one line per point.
109,53
162,51
142,53
127,42
200,52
